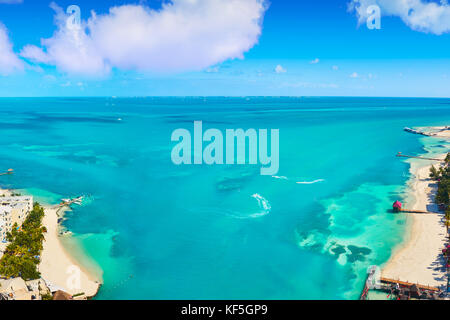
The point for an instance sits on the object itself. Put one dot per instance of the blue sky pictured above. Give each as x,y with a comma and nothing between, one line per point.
320,48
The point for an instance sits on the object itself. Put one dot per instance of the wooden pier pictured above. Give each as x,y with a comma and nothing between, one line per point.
398,207
403,290
365,292
409,285
414,211
68,202
406,290
400,155
418,132
368,284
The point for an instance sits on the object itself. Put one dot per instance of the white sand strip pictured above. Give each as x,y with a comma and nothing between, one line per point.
420,259
57,266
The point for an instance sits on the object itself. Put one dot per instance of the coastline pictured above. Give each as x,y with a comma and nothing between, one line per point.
62,262
419,258
58,265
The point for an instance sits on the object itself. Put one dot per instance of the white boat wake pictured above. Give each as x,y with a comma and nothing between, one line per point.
299,182
310,182
263,204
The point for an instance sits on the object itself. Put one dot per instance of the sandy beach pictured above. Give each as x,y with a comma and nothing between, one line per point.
58,267
420,258
440,132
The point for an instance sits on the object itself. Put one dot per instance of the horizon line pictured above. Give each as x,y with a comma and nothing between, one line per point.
219,96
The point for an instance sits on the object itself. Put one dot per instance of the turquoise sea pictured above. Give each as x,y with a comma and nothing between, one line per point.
160,231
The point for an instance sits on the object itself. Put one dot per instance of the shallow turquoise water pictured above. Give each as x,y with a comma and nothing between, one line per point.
160,231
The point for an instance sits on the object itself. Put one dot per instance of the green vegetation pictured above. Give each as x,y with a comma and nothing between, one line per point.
22,255
442,176
47,296
78,295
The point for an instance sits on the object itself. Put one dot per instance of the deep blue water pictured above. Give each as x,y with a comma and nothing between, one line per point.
161,231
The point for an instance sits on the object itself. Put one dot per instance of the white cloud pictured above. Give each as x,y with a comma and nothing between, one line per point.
354,75
72,50
214,69
279,69
184,35
9,62
417,14
335,68
315,61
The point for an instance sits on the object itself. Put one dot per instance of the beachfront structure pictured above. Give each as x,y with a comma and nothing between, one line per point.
14,289
5,223
15,200
61,295
397,206
18,289
2,231
13,210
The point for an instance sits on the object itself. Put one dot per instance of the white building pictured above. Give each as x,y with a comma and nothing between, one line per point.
11,201
2,231
13,210
5,222
18,289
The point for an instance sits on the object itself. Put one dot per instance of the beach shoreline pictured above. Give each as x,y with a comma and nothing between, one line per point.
63,268
58,266
419,258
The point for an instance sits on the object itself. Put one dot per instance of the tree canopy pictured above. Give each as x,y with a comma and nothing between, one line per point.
22,255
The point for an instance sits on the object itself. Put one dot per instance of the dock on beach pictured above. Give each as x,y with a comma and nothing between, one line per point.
443,132
400,155
417,132
409,285
68,202
368,284
401,289
415,211
398,207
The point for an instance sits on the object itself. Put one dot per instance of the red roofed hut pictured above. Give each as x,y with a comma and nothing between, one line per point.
397,206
